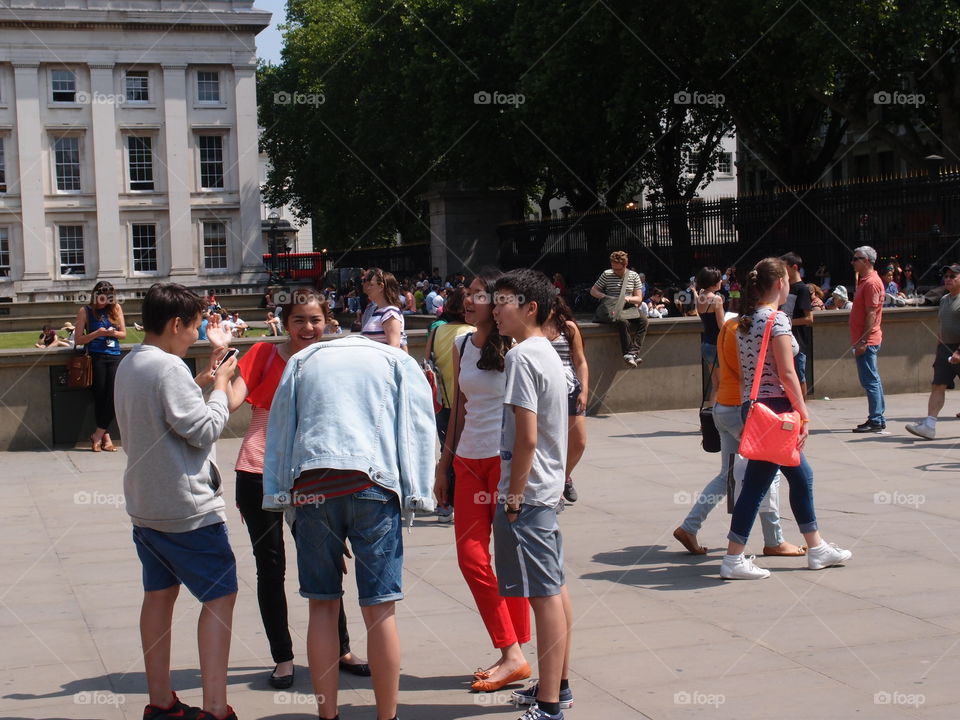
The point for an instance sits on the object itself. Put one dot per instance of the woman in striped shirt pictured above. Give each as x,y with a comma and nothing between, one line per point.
385,323
305,314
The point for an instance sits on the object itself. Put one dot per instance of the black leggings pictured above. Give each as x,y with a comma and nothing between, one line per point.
266,537
104,374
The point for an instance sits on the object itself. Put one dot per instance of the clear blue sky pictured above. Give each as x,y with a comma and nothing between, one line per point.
270,41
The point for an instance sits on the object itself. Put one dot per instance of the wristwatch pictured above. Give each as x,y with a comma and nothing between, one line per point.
512,511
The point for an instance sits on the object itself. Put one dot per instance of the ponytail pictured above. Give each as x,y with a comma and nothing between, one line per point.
760,280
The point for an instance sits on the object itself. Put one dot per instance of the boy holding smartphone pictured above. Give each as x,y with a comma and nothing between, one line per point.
174,496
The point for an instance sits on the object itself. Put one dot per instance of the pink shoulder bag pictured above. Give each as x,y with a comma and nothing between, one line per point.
769,436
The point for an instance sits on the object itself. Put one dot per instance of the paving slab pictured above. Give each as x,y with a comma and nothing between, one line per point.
657,634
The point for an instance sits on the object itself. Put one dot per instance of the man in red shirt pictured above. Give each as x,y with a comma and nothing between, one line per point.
866,336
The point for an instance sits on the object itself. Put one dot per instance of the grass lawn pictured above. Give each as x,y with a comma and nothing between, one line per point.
27,338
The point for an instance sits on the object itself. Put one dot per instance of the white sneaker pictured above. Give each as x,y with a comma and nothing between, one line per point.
630,360
825,555
740,567
922,430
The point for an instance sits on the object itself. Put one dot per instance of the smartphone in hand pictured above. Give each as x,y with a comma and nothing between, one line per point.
232,352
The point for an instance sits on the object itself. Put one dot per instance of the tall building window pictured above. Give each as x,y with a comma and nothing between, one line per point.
4,252
137,86
140,160
725,163
3,167
66,152
214,246
144,245
211,161
71,250
63,84
208,86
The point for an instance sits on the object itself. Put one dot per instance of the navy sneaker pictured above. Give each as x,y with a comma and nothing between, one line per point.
529,696
535,713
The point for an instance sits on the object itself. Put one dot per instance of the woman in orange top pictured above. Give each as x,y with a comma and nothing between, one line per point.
726,416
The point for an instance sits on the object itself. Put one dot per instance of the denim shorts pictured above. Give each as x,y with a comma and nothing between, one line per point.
370,519
201,559
800,364
572,397
708,351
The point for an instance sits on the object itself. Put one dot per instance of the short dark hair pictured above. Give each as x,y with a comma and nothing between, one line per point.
791,258
166,301
707,277
530,286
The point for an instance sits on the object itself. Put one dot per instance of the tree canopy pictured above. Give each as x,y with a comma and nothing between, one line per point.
587,100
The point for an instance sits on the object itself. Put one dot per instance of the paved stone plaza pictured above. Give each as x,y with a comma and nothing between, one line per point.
657,634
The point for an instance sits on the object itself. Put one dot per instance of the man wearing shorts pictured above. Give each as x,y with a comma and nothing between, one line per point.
946,364
174,496
351,480
533,452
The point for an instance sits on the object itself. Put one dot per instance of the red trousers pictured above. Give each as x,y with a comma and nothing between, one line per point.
475,499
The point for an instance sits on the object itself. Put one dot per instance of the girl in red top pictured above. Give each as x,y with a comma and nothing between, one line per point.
261,369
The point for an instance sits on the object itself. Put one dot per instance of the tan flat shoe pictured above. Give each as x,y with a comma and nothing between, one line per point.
689,542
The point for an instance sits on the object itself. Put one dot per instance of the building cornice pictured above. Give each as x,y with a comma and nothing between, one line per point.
133,19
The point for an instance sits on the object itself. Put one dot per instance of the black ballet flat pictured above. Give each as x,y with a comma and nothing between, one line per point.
361,669
281,682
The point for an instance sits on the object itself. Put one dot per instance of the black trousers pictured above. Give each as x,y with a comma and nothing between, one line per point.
632,334
266,537
104,374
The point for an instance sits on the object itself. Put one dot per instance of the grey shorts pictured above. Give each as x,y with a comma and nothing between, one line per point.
528,552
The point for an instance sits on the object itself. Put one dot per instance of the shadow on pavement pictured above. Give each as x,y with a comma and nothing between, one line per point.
666,569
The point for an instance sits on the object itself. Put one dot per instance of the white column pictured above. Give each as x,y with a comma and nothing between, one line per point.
110,259
249,254
180,171
37,251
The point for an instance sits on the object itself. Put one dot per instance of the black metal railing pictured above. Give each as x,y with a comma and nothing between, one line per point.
912,219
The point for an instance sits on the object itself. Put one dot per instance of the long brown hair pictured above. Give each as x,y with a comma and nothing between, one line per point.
760,280
560,315
391,288
496,346
104,289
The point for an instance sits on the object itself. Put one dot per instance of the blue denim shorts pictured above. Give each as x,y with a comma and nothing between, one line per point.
800,364
370,519
201,559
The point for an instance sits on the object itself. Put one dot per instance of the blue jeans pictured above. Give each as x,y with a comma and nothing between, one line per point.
370,519
729,425
870,381
757,480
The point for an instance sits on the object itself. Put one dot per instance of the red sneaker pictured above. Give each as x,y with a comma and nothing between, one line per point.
179,710
204,715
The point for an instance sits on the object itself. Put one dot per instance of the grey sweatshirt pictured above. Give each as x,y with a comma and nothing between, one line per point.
171,483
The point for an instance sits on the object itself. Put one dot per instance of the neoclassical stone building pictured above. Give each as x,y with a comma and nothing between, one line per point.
128,145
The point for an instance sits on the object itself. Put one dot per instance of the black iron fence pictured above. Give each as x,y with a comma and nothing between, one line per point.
912,219
402,260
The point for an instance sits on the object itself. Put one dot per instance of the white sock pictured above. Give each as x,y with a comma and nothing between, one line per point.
733,559
819,548
931,421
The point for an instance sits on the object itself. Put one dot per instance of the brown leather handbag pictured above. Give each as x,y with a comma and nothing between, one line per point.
80,370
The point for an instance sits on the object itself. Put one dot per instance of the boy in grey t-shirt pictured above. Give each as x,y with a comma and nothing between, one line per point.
533,449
